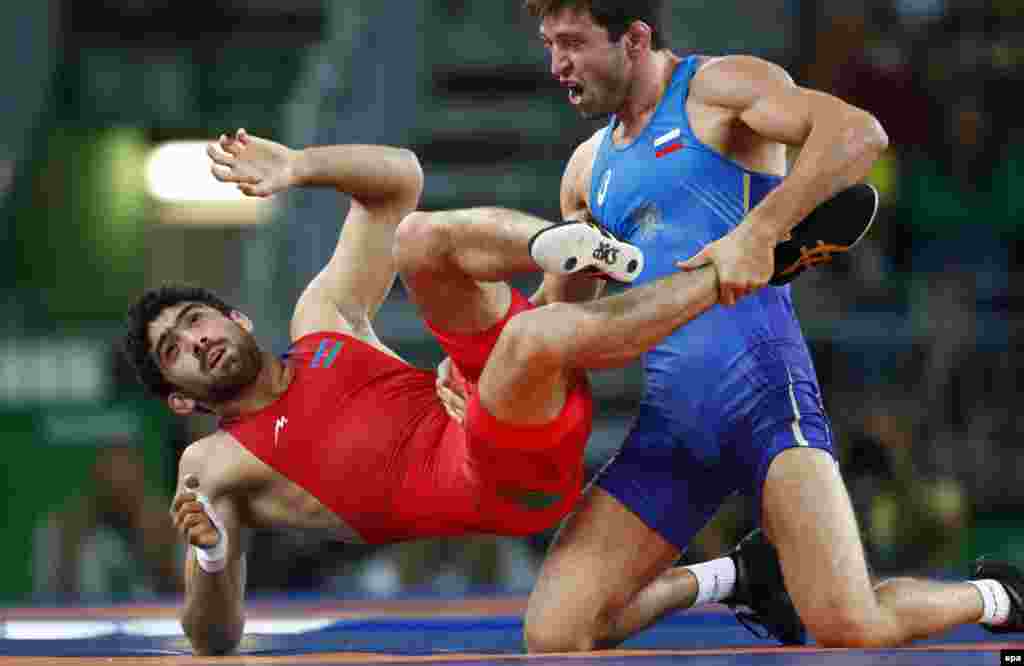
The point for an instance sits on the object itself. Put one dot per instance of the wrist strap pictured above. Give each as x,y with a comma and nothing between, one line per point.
214,558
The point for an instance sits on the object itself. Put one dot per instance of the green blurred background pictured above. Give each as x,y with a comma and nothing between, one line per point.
915,336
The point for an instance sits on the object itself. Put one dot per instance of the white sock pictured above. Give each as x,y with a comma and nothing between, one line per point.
995,599
716,579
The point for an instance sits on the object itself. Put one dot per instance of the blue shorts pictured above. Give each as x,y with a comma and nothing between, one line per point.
676,486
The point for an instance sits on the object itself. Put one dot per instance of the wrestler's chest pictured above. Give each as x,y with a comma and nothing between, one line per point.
281,503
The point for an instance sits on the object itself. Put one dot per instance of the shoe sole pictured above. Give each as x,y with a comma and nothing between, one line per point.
574,247
834,227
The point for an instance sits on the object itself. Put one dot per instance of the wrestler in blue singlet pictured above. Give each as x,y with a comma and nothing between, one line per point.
734,387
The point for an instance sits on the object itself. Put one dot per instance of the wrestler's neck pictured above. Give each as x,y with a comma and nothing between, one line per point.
651,78
273,380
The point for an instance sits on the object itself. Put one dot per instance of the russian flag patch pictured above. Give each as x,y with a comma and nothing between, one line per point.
668,143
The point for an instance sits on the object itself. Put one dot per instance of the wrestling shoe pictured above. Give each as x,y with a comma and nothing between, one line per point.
572,247
760,598
1011,578
834,227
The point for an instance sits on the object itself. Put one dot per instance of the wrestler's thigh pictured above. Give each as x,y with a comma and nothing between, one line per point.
457,303
807,514
600,559
524,382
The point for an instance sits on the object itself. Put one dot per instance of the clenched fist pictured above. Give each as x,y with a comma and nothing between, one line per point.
743,260
451,388
190,517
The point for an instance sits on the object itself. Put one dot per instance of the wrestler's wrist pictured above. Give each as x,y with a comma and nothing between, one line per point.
212,559
763,231
300,168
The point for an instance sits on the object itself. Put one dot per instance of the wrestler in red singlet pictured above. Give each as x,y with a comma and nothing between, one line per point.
366,434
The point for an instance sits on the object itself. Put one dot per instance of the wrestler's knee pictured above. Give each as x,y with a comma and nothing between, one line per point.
530,339
421,242
553,627
541,631
847,626
565,614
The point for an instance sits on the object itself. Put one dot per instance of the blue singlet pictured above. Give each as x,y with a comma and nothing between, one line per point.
730,390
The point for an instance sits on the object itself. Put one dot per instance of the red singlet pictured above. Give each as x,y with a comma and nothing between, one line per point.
366,434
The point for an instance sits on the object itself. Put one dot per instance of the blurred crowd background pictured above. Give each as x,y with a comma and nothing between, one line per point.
915,335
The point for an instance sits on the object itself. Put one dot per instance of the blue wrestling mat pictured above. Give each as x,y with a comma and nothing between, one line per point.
485,628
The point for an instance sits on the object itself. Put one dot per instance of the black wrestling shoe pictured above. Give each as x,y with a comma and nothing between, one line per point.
760,598
1011,578
834,227
572,247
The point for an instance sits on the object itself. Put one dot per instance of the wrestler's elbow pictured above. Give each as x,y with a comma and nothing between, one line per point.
213,638
866,137
412,178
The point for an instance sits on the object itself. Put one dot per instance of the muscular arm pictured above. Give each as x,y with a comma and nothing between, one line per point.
373,175
839,142
385,185
213,614
573,196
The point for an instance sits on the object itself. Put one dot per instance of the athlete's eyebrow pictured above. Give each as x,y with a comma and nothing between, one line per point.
564,35
167,331
557,32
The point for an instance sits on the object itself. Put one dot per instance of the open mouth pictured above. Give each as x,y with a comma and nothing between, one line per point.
575,93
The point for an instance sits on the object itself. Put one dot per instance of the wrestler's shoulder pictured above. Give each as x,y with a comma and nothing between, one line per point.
577,171
219,460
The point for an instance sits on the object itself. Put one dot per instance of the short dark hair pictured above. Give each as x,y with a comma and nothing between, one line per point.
615,16
135,344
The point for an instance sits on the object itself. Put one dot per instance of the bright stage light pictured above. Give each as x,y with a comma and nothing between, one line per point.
180,171
178,176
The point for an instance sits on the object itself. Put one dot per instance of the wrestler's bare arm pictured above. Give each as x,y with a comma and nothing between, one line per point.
384,183
838,141
213,614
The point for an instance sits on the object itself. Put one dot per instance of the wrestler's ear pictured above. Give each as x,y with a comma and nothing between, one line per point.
181,404
241,319
638,36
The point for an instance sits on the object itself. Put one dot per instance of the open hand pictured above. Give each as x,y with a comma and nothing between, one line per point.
190,518
259,167
450,390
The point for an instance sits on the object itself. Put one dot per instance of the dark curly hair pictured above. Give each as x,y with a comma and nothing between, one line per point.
615,16
135,344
